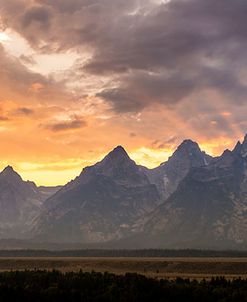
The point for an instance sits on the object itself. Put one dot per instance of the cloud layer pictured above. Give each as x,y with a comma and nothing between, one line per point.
158,70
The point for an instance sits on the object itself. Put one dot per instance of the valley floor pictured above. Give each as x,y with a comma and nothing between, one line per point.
193,268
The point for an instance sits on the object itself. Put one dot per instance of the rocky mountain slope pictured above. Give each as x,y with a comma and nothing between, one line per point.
169,174
99,205
208,209
20,202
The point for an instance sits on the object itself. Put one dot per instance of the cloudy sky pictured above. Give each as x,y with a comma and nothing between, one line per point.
78,77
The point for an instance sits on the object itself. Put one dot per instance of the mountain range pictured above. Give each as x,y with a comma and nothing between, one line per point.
192,200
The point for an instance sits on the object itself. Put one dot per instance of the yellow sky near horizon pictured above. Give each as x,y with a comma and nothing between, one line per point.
61,172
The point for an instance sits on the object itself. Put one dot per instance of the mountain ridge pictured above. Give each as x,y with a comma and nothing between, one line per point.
192,200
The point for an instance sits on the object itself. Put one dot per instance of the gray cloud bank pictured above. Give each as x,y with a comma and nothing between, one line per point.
153,52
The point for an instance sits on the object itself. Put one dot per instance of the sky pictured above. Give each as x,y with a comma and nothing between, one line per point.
79,77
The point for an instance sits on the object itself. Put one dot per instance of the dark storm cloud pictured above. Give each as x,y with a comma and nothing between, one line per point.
140,89
23,111
153,52
36,14
122,100
132,134
165,144
73,124
19,112
27,60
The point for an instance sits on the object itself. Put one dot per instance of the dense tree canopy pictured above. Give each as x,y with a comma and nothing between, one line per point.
56,286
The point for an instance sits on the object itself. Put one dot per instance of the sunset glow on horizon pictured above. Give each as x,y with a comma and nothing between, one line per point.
61,172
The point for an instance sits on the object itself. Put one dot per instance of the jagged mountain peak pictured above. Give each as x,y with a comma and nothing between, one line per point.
115,159
10,174
226,159
226,152
188,142
119,148
169,174
188,145
117,153
190,151
244,146
8,169
118,157
241,148
117,165
237,148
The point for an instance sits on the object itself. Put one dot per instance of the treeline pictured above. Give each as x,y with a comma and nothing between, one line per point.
122,253
89,287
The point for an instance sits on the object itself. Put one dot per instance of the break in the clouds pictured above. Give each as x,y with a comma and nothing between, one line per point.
150,72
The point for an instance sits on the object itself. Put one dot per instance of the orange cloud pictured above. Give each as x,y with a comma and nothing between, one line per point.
226,113
36,87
